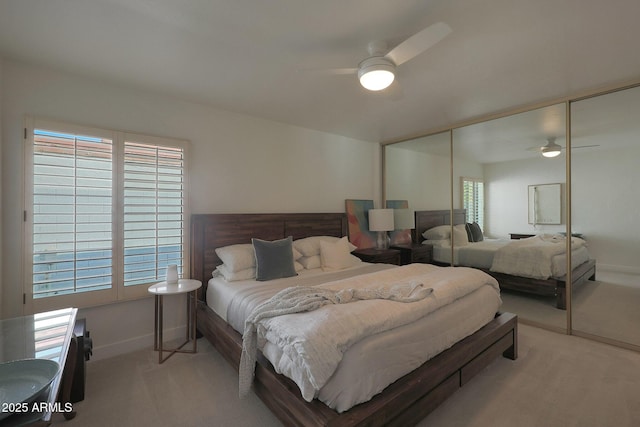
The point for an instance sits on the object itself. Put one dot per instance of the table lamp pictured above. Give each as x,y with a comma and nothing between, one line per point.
381,220
404,222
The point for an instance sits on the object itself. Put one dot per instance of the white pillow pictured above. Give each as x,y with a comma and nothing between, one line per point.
242,256
337,255
310,262
232,276
440,232
310,246
237,257
460,236
246,274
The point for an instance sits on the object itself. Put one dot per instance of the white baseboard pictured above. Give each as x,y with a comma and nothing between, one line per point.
624,269
135,344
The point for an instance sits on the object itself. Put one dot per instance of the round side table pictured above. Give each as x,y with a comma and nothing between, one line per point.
162,289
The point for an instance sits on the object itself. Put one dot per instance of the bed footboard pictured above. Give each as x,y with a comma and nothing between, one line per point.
550,287
405,402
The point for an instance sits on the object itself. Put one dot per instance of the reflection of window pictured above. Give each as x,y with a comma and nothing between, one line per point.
105,212
473,200
50,329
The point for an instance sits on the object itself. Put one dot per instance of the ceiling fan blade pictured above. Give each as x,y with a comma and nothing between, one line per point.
541,148
331,71
536,148
418,43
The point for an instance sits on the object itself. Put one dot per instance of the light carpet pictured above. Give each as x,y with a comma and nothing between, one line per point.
599,308
557,381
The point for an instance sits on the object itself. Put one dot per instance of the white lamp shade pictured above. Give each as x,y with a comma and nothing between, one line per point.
403,219
380,219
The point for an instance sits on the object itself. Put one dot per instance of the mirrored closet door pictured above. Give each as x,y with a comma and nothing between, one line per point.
497,166
496,172
605,197
419,171
418,175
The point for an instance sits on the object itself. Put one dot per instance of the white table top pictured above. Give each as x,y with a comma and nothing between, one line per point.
183,286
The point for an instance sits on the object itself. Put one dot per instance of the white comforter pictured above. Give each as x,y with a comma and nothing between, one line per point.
313,343
532,257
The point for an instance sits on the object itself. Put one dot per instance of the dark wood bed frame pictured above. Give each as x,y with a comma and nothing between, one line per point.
555,286
403,403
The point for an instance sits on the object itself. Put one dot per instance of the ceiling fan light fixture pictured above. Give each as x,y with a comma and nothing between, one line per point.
376,73
551,149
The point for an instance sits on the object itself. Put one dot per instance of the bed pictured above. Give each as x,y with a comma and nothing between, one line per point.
482,256
404,402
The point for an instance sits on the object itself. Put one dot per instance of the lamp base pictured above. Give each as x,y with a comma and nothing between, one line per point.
402,237
382,242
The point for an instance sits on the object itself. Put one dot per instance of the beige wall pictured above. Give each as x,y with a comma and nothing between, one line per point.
238,164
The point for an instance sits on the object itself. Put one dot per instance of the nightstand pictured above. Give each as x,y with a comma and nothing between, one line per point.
415,253
382,256
184,286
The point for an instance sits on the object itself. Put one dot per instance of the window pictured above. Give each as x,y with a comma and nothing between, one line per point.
473,200
105,213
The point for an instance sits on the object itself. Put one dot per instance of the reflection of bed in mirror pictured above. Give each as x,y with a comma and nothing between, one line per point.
404,402
483,255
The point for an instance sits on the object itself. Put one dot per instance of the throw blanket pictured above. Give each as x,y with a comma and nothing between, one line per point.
307,298
313,342
532,257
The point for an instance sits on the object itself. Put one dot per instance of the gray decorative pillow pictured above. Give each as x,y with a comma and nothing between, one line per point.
274,260
467,227
476,231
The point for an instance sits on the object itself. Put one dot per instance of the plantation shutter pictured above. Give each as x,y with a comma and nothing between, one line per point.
72,213
473,200
154,186
479,203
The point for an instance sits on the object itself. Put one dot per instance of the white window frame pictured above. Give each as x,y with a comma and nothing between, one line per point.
117,292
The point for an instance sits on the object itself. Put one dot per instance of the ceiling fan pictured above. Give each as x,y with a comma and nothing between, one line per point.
551,149
377,71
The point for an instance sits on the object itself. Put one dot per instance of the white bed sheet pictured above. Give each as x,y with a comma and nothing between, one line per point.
480,255
376,361
220,292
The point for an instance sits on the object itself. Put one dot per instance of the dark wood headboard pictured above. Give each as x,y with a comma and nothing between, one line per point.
429,219
211,231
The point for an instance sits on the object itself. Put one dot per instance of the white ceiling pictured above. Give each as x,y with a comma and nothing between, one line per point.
604,122
258,57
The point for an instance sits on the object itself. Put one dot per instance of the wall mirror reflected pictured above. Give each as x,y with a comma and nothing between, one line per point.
605,210
545,204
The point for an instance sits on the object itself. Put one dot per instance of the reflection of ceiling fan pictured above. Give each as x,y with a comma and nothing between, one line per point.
551,149
377,71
